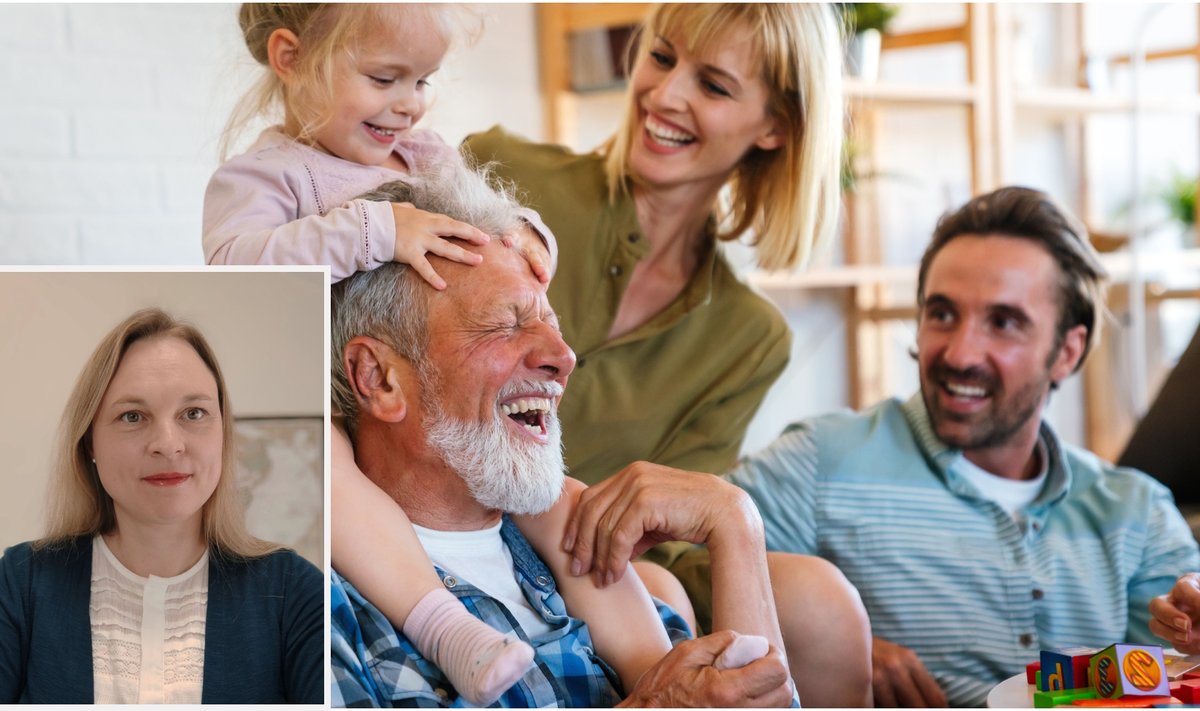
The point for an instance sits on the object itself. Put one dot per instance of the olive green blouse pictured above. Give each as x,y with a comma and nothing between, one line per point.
679,390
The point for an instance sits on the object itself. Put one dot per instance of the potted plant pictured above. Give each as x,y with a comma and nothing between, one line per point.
865,23
1179,196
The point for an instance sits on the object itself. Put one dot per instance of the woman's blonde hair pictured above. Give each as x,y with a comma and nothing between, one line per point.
79,505
790,197
325,31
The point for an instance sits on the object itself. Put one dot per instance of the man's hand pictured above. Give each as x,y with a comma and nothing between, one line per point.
1176,614
686,677
900,679
646,504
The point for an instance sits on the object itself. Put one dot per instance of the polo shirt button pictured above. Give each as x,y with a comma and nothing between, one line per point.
542,581
614,270
581,362
450,581
633,236
1038,594
1025,639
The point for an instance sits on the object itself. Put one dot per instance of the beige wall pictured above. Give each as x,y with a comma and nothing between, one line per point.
266,328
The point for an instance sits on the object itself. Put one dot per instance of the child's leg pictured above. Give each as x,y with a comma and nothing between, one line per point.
374,546
624,624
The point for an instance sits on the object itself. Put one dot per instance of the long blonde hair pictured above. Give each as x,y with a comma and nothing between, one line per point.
79,505
324,31
790,197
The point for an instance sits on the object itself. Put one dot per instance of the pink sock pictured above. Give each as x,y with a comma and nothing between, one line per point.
479,661
741,651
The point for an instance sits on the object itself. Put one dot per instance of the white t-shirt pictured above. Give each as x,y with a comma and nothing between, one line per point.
1012,495
482,559
147,633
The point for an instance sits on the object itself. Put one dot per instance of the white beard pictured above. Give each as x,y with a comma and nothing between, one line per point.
501,471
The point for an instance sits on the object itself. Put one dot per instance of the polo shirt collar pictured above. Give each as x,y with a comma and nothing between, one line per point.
943,459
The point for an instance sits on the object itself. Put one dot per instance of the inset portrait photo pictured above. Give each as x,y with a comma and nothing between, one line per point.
163,512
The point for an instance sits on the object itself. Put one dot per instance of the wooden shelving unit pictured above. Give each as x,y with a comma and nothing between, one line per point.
556,22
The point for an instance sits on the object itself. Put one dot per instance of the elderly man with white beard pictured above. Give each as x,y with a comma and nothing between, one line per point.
425,380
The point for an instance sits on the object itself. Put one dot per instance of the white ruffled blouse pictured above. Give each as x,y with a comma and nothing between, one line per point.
147,633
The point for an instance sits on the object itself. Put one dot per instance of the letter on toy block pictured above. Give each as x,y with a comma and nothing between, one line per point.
1129,670
1065,668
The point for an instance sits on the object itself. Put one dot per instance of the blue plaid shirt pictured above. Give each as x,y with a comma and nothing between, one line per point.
375,665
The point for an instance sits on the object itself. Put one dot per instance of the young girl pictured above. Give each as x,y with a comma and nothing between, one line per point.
352,80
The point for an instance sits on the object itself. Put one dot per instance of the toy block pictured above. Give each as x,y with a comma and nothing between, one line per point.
1064,669
1031,675
1186,690
1126,702
1129,670
1050,699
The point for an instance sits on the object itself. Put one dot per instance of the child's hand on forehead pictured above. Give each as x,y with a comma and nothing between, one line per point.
529,245
419,233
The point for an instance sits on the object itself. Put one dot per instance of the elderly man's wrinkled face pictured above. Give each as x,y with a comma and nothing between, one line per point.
498,366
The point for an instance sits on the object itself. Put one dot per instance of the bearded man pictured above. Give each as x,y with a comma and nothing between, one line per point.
436,387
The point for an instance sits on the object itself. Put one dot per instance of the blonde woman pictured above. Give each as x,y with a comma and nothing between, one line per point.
147,587
675,352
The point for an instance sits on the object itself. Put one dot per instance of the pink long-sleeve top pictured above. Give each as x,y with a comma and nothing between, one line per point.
282,202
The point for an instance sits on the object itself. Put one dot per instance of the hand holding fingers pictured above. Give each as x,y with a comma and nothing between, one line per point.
686,677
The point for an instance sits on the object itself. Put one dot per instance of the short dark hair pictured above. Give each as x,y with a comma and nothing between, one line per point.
1025,213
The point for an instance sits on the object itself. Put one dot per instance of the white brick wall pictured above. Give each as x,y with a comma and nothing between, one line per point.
111,115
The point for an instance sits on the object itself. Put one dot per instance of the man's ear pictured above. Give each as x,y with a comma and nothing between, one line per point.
283,51
1069,353
379,377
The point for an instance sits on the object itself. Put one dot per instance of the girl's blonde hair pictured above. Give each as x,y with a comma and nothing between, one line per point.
790,197
79,505
326,31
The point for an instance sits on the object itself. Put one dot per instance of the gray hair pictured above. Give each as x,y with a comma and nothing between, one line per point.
391,303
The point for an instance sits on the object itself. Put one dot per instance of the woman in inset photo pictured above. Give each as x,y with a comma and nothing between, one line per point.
146,586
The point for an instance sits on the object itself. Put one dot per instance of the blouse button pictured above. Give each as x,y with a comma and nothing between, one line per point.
1025,639
450,581
1038,594
633,237
614,270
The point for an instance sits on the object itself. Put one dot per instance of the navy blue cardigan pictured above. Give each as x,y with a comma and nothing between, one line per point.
263,638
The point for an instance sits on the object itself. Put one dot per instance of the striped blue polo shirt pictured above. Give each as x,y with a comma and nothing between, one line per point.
946,572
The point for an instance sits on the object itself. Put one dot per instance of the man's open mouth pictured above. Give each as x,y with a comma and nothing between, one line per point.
530,413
